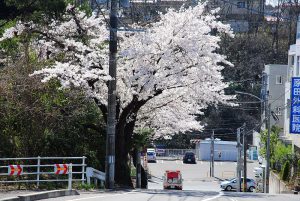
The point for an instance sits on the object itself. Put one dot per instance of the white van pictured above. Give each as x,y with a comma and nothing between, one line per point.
151,155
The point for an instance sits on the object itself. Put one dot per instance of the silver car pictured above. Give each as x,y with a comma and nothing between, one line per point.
228,185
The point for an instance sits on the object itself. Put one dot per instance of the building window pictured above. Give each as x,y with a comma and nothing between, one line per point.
241,4
278,79
278,111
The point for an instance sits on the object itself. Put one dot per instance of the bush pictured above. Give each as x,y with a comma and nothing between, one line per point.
298,167
285,171
86,187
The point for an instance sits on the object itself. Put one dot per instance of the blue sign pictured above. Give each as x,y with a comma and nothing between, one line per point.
295,106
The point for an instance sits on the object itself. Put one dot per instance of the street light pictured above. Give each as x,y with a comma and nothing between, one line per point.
268,126
245,93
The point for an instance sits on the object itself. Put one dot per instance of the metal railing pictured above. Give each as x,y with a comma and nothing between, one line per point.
38,166
173,153
96,174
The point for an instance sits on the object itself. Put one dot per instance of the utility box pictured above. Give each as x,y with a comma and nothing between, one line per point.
223,150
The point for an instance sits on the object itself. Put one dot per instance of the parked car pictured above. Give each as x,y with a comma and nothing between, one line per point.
232,184
151,155
189,157
172,179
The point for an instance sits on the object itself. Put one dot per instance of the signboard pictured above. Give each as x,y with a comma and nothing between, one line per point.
295,106
60,168
15,170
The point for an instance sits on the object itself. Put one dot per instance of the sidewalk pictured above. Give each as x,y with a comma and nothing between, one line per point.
34,195
8,194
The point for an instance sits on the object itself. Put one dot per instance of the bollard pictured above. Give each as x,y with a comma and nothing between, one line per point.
70,177
38,171
83,170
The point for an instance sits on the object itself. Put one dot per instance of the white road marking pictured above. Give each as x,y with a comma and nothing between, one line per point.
176,161
100,196
201,162
215,197
181,162
162,161
233,199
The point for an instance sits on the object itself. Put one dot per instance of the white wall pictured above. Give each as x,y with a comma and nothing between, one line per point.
227,152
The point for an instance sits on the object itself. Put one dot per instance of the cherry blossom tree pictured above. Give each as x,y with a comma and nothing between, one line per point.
165,76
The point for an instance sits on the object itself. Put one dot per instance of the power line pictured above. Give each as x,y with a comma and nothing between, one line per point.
273,100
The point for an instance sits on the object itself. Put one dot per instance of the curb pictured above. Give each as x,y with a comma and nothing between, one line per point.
42,195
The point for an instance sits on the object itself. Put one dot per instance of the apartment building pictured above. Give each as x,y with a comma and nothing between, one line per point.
293,71
277,76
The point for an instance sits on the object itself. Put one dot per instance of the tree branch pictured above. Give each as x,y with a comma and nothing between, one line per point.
80,30
102,107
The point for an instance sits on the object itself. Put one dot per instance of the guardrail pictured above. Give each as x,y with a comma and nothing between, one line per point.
96,174
19,170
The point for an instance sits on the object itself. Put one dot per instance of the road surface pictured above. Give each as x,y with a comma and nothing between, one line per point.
197,186
172,195
196,176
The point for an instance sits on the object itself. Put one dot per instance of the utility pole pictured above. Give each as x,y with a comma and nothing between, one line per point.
212,150
111,103
238,167
268,126
138,168
268,149
263,99
245,160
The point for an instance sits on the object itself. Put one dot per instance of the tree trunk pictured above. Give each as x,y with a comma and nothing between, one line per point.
144,179
122,171
124,132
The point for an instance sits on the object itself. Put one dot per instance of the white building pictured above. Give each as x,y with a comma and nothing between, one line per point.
223,150
277,77
293,71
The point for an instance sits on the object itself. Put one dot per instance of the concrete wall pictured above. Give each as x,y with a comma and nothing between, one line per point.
276,185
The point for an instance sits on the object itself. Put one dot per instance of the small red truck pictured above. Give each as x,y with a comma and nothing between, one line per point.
172,179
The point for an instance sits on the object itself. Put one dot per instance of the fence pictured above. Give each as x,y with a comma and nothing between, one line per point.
173,153
30,170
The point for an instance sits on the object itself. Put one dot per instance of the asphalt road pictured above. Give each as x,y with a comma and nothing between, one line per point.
170,195
196,176
197,186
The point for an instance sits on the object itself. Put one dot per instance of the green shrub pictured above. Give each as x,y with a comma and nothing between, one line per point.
133,171
86,187
285,171
298,167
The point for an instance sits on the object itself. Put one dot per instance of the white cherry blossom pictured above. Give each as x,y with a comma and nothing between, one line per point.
165,75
